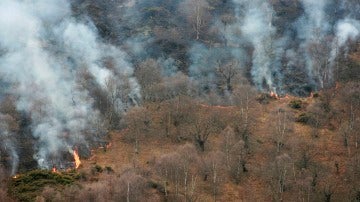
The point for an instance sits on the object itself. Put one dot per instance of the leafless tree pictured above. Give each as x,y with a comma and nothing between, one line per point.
205,124
213,165
197,14
235,153
320,49
279,179
180,169
118,92
227,73
242,98
350,130
281,128
139,124
229,140
148,74
132,187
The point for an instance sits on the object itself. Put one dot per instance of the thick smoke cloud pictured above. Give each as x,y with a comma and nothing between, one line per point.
46,54
308,44
287,46
257,28
295,53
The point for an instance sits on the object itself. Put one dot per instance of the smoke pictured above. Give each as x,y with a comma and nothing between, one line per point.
47,56
275,42
347,29
7,142
257,28
57,66
306,44
323,33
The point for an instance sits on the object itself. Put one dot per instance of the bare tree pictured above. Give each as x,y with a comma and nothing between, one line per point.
242,98
197,14
148,74
235,153
204,125
180,169
279,179
213,164
281,129
350,99
227,73
119,100
320,49
139,124
176,115
132,187
229,140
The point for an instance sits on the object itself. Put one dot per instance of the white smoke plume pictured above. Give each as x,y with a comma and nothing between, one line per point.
257,28
347,29
316,31
7,142
46,51
309,42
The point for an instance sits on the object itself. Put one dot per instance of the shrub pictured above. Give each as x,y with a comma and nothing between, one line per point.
96,169
296,104
109,169
264,98
27,186
305,118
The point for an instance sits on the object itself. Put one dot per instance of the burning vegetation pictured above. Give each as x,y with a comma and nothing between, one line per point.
202,100
77,161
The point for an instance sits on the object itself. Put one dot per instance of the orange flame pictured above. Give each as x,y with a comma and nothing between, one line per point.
77,159
311,95
54,169
286,97
15,176
108,146
274,95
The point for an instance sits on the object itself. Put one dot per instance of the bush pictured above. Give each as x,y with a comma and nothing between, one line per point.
296,104
304,118
109,169
27,186
264,98
96,169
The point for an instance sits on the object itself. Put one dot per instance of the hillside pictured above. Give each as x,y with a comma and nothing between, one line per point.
191,100
311,161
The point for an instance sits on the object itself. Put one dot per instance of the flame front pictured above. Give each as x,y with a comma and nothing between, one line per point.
77,159
274,95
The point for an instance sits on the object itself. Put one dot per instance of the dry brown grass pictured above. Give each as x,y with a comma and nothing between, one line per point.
253,187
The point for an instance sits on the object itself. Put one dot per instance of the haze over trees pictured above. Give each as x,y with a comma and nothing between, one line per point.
194,100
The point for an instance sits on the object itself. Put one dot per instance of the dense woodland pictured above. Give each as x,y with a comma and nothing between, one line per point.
213,100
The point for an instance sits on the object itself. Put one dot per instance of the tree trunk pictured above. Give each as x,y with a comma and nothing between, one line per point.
201,144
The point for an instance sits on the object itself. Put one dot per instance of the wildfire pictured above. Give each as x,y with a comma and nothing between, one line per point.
286,97
77,159
54,170
108,146
274,95
15,176
337,85
311,95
